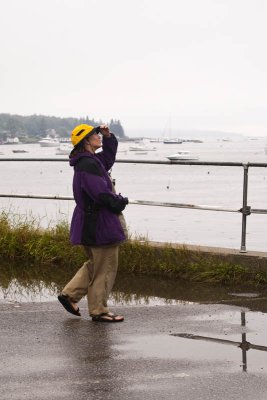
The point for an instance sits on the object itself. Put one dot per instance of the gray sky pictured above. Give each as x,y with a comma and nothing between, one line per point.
201,64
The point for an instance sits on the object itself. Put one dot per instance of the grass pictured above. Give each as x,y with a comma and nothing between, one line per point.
181,263
23,242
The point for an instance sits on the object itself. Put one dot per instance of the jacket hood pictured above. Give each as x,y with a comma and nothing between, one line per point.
78,156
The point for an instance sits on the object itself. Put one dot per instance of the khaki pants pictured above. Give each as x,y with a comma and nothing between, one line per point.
95,278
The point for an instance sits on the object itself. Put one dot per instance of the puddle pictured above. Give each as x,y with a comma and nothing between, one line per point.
137,291
42,284
197,354
229,340
243,349
18,293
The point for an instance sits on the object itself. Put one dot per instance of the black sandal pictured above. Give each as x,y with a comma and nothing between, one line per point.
107,317
64,300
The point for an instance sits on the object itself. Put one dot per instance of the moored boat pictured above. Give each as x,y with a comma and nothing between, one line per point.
182,156
64,149
141,147
172,141
156,140
12,140
49,141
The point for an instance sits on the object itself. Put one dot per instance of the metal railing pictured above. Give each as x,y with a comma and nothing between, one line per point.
245,210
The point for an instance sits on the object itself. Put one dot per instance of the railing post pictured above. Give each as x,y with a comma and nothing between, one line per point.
245,209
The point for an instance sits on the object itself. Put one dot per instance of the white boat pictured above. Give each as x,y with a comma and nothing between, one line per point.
157,140
10,140
182,156
64,149
141,147
49,141
137,147
172,141
65,140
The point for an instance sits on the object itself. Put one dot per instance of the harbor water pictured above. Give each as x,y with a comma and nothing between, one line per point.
197,185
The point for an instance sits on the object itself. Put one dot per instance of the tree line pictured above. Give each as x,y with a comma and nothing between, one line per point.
39,125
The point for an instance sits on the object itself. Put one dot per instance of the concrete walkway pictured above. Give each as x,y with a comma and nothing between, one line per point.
46,354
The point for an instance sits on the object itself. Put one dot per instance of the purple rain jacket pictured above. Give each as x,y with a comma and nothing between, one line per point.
95,219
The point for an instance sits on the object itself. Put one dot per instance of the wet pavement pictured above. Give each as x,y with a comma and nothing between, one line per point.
183,350
179,340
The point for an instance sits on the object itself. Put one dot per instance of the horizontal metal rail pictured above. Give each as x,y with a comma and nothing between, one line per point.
162,162
245,210
139,202
136,202
258,211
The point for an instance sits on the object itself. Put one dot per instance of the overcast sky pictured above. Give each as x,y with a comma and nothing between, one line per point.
201,64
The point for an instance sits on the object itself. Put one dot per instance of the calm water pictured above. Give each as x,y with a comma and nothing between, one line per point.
199,185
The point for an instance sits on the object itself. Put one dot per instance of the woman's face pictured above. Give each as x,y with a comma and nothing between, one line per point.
95,141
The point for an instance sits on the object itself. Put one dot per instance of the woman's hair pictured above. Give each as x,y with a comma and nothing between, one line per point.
79,148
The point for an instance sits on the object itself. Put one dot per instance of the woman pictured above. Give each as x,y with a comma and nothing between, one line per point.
97,222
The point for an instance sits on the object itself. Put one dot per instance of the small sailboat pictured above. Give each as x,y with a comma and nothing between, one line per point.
168,135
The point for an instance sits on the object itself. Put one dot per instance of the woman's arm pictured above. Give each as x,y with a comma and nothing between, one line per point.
109,148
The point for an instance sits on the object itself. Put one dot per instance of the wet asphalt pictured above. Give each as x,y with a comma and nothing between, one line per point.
47,353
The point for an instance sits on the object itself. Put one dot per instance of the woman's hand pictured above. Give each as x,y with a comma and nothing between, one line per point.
104,130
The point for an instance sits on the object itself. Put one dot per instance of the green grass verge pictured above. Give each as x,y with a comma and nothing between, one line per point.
25,243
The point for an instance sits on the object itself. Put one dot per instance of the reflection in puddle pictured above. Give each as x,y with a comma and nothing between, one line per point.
242,349
34,292
206,341
244,345
132,294
42,283
38,292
